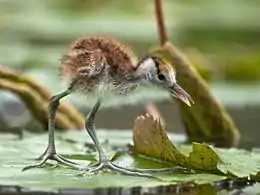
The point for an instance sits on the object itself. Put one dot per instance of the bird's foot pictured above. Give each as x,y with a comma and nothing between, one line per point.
104,165
52,155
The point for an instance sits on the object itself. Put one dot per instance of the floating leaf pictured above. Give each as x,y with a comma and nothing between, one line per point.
16,153
151,139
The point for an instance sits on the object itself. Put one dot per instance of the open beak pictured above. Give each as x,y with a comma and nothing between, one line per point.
181,94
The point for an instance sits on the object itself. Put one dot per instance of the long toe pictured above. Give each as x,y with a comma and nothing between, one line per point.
66,160
35,165
59,159
126,171
94,164
158,170
101,166
68,163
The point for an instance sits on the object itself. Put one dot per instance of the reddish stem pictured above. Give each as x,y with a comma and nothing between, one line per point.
160,22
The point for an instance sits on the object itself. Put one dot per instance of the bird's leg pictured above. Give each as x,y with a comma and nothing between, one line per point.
50,151
104,162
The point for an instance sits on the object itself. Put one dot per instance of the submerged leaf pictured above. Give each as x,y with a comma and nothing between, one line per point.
150,139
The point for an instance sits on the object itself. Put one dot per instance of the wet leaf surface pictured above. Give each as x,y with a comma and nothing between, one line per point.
150,139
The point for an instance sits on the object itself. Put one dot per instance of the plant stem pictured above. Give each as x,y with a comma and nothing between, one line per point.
160,22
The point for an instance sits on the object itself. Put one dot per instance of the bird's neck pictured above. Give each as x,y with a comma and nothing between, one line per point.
136,78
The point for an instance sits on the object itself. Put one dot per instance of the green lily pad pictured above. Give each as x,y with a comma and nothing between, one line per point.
150,139
17,153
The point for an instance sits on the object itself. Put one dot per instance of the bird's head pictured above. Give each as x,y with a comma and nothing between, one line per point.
161,73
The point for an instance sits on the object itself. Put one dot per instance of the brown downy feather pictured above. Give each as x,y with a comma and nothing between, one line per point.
91,50
75,61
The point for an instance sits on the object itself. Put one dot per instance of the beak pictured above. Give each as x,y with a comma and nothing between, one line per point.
181,94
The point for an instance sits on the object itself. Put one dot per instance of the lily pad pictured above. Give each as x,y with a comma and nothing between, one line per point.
150,139
15,153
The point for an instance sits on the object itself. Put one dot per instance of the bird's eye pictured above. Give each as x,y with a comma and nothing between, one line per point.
161,77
